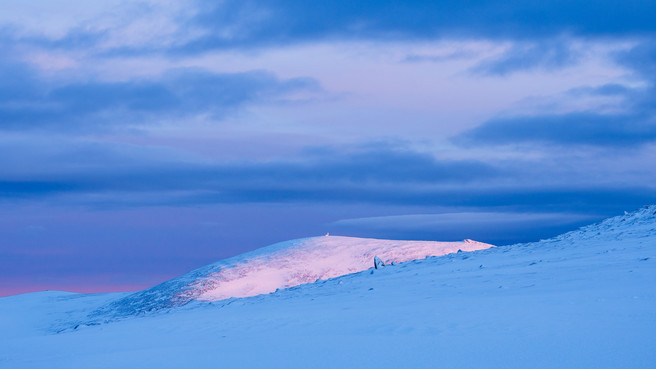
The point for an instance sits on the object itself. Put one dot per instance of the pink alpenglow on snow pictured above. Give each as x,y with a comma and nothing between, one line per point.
279,266
296,262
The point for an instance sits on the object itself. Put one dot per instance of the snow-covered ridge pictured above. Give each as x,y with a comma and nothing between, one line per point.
639,223
589,295
282,265
291,263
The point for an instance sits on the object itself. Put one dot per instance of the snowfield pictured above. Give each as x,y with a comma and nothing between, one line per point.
585,299
279,266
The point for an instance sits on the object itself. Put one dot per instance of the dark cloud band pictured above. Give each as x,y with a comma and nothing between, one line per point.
27,103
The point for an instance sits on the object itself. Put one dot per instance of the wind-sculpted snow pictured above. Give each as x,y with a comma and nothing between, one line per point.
640,223
282,265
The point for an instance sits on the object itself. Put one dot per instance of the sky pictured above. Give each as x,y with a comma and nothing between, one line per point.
140,139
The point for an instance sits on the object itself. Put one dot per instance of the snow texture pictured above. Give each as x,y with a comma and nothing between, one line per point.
585,299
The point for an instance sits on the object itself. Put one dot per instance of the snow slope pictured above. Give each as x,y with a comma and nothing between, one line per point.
282,265
585,299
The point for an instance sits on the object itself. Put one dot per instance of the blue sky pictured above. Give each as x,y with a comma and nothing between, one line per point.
140,139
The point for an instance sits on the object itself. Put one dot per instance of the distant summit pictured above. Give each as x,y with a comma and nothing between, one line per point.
282,265
292,263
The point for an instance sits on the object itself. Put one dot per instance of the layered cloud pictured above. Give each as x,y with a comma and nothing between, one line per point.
633,125
545,37
497,227
26,102
587,128
198,26
323,174
92,174
249,122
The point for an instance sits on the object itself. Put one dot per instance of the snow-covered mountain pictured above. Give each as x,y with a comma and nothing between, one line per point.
585,299
279,266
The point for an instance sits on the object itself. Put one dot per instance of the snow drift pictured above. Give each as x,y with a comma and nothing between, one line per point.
282,265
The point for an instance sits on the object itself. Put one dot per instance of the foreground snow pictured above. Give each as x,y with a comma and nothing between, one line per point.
585,299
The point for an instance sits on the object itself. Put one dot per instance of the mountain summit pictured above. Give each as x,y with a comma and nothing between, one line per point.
283,265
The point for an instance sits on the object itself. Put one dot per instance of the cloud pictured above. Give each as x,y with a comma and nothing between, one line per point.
98,27
28,103
423,58
266,22
588,128
324,171
110,176
449,220
551,54
494,227
199,26
609,89
632,127
641,59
